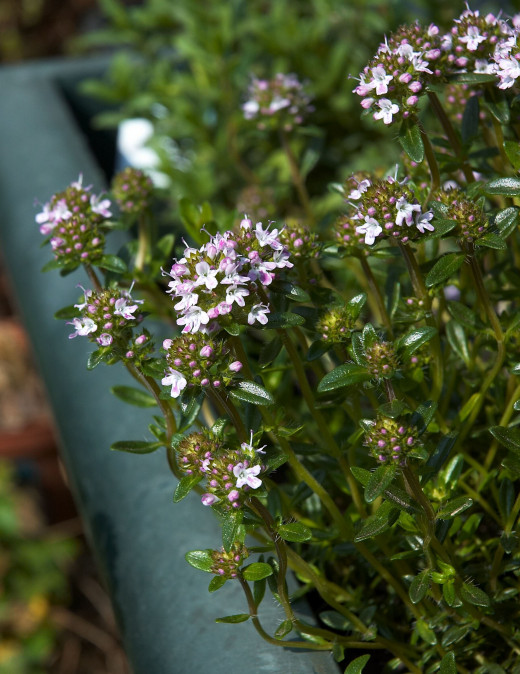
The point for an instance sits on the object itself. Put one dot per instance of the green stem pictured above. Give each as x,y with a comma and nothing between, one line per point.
451,135
432,164
378,298
504,420
332,445
93,277
499,552
297,178
229,408
421,292
143,250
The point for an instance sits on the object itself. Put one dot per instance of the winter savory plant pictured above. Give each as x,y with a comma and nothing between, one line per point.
342,393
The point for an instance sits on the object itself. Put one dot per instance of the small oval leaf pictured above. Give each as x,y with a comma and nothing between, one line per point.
379,481
454,507
420,586
344,375
445,267
257,571
133,396
136,446
295,532
509,187
357,665
200,559
474,595
250,392
237,618
411,141
184,487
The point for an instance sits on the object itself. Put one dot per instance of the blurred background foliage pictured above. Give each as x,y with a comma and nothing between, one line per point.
186,66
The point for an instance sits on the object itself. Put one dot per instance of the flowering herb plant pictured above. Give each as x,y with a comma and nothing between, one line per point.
343,394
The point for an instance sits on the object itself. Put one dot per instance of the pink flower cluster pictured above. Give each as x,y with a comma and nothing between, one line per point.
74,202
388,207
224,280
279,103
390,85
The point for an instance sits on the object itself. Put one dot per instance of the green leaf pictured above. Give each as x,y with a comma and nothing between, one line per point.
237,618
295,532
284,319
136,446
218,427
492,240
133,396
454,507
67,312
411,141
457,340
449,595
376,524
472,78
425,632
357,665
462,314
317,349
512,463
445,267
355,305
112,263
190,407
496,102
506,221
512,150
291,291
509,187
200,559
415,339
509,437
231,529
509,541
474,595
165,245
250,392
448,664
232,329
216,583
52,264
269,351
379,481
184,486
423,415
344,375
95,358
420,586
470,120
257,571
284,628
454,634
335,620
442,227
259,590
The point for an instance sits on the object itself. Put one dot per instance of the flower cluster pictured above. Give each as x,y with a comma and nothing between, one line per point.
227,564
229,474
132,190
223,281
74,202
472,222
74,242
388,207
279,103
472,41
381,359
108,317
336,325
198,361
506,61
346,234
300,241
404,64
389,439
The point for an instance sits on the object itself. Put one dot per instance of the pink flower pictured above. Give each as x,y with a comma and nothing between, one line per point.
176,380
247,476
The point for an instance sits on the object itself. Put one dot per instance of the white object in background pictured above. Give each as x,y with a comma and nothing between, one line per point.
132,137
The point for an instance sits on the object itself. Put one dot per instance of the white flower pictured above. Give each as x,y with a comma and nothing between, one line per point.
361,189
422,222
386,110
249,449
122,308
206,275
83,326
193,319
176,380
405,212
380,80
258,313
371,229
508,72
250,109
100,207
267,238
247,476
473,38
236,294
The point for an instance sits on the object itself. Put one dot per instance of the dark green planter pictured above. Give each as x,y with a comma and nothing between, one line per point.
164,610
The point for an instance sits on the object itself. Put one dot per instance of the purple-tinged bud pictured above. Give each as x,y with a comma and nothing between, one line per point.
192,347
415,87
177,362
235,366
246,223
196,373
204,382
209,499
405,78
129,354
206,351
233,495
105,339
213,312
216,383
412,100
141,339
